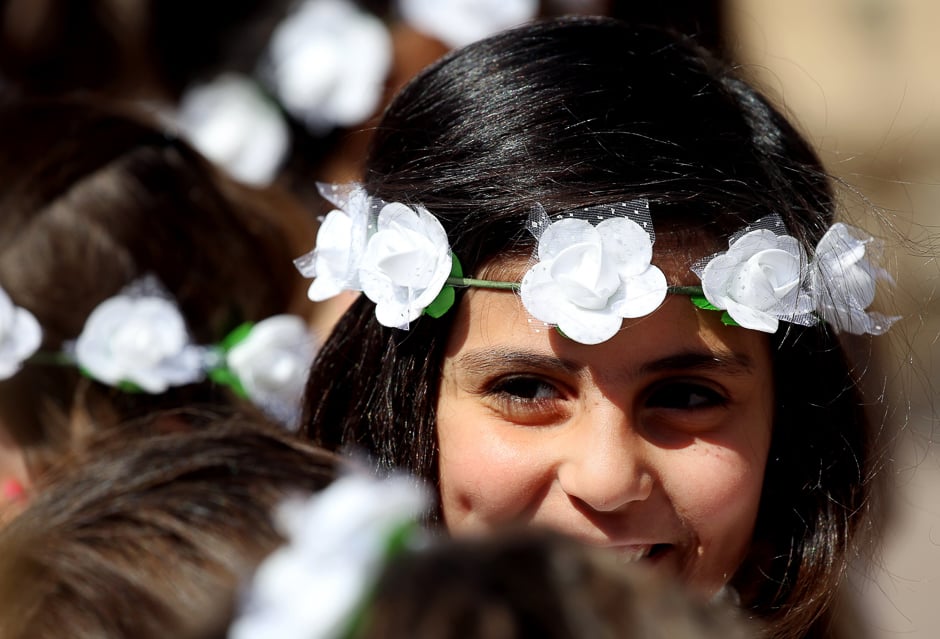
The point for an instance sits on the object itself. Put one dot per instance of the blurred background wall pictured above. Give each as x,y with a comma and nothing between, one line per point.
860,78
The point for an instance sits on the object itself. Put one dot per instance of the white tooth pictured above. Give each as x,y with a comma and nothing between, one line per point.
634,553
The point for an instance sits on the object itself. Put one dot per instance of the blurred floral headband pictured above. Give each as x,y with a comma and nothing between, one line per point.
592,268
325,65
137,341
457,23
338,540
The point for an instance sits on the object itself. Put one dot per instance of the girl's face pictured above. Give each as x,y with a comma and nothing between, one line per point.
653,443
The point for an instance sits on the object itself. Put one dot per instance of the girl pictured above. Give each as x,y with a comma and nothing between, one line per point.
126,261
667,382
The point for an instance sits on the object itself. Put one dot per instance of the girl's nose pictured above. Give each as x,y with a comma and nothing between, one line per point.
604,463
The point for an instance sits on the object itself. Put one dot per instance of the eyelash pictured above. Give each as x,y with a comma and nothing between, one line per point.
524,395
668,395
533,399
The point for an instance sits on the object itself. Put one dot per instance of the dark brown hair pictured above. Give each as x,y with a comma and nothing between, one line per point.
151,535
93,198
569,113
528,583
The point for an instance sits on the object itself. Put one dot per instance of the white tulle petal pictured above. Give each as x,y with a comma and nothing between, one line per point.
20,336
589,278
272,364
457,23
405,265
643,293
588,327
337,542
233,124
752,318
760,280
563,234
327,63
141,340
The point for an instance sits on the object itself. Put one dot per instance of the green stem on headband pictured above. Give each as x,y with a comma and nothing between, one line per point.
693,291
50,358
470,281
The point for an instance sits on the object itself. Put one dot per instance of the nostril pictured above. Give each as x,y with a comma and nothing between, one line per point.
605,491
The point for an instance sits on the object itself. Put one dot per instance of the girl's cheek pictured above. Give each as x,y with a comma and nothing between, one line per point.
487,479
727,503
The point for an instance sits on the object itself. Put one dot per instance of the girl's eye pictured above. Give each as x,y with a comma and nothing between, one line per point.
685,396
527,400
524,389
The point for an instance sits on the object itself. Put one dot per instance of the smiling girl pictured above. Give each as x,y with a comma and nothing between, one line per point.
622,284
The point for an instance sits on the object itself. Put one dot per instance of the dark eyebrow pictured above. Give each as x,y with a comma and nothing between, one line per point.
485,360
726,362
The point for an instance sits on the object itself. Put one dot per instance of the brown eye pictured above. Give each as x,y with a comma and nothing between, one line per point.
527,400
525,389
685,396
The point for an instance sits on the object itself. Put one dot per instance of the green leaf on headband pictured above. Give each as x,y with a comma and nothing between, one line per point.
123,386
727,320
399,540
128,387
225,377
237,335
456,268
702,302
445,299
442,303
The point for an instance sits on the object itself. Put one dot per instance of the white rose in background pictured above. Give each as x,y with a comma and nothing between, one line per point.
20,336
459,22
341,242
759,281
405,265
141,340
337,543
231,122
272,364
844,281
327,63
589,278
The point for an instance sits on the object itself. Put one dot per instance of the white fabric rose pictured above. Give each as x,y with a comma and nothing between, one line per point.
589,278
141,340
327,62
457,23
272,364
20,336
233,124
341,242
336,545
844,282
759,281
406,264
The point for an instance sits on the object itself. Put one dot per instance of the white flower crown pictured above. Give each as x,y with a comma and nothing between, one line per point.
337,542
137,341
592,268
